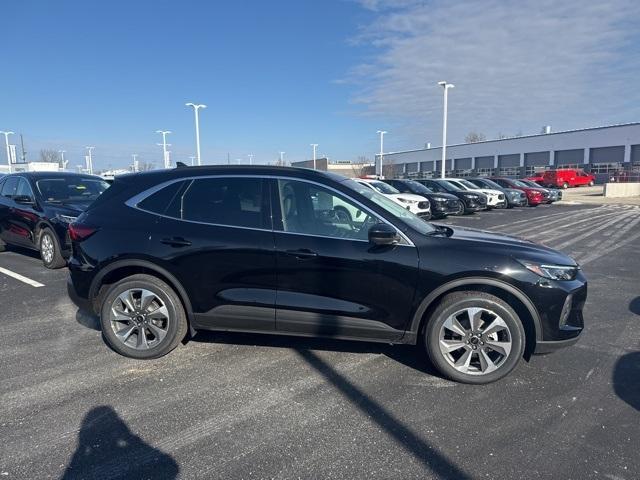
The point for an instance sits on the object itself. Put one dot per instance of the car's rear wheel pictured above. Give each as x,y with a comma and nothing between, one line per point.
142,317
474,337
50,251
591,183
565,185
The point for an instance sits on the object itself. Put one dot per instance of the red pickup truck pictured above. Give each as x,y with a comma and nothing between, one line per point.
565,178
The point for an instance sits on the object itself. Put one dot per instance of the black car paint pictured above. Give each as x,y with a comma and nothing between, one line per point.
21,224
511,202
467,198
452,206
232,278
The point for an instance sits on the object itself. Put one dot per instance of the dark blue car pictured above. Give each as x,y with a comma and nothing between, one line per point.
36,209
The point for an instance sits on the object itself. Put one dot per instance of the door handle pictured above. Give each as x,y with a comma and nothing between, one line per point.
302,254
176,242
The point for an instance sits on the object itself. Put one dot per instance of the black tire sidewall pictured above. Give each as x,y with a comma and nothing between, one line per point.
459,301
177,318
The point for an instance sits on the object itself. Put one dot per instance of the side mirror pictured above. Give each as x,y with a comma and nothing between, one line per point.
24,200
383,234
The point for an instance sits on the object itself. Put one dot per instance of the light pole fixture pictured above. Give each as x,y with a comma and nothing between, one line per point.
192,160
446,86
6,141
90,159
314,146
197,107
381,133
165,154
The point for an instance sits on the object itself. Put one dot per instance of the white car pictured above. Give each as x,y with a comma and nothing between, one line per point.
495,198
416,204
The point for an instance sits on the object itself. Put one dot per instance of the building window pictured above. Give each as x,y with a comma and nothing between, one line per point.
463,173
573,166
509,171
484,172
606,167
532,170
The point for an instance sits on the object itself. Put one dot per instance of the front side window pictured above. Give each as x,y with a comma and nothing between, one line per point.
9,187
235,202
310,209
70,189
24,189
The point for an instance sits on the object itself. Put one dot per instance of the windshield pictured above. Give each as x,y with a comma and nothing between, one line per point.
448,186
468,184
392,207
521,184
418,187
70,189
384,187
529,182
491,184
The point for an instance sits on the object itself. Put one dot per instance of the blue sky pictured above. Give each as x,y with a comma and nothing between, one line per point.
279,75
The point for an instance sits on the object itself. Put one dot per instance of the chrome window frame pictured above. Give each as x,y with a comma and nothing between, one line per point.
136,199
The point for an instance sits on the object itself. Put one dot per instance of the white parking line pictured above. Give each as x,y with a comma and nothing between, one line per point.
22,278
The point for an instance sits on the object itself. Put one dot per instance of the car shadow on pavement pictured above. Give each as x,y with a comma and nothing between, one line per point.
88,320
626,374
410,441
634,306
409,355
108,449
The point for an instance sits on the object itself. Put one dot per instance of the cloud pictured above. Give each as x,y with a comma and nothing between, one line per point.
517,65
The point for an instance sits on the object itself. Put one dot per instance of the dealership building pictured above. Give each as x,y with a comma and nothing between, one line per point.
602,151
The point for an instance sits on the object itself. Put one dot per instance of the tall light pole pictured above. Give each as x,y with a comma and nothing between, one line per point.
282,158
196,107
446,86
6,142
165,154
135,161
90,159
64,164
192,159
381,132
250,158
314,146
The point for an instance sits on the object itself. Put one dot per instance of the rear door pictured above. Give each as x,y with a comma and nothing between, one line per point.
331,280
7,194
216,238
23,218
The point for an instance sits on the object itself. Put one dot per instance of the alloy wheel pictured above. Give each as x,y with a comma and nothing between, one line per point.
475,341
47,248
139,318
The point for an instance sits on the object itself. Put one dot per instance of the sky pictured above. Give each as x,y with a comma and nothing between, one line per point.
279,75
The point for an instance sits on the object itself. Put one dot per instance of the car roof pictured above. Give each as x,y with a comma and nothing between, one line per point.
40,175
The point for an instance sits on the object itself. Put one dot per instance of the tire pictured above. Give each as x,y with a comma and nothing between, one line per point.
162,332
50,251
591,183
507,335
565,185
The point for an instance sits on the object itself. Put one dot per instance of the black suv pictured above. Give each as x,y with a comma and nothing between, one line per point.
37,207
442,204
263,249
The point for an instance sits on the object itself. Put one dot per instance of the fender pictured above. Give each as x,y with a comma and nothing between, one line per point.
412,333
173,281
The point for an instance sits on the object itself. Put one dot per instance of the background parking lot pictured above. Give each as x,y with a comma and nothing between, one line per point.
258,406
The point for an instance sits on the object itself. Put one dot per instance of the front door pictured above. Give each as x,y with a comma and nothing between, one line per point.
331,280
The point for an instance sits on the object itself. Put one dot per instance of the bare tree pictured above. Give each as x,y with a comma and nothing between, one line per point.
49,156
474,137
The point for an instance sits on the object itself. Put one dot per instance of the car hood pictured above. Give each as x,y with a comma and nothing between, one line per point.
512,190
516,247
408,196
486,191
73,208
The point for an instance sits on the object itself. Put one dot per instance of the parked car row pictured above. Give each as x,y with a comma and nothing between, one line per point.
159,255
563,178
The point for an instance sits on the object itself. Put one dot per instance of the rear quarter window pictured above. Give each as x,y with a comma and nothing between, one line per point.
160,201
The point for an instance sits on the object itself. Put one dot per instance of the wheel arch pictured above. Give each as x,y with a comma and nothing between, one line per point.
525,309
120,269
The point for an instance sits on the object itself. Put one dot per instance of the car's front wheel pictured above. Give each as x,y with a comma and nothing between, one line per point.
142,317
474,337
50,251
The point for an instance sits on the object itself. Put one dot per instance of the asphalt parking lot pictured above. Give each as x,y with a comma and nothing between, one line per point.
248,406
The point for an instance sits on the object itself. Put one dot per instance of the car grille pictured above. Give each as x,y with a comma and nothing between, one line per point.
500,196
452,203
482,200
423,205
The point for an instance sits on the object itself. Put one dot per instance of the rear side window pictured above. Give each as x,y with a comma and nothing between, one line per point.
159,202
237,202
9,187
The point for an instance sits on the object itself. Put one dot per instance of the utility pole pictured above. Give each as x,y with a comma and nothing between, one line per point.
196,107
314,145
24,154
135,161
446,86
250,158
165,154
6,141
282,158
64,164
90,160
381,132
192,159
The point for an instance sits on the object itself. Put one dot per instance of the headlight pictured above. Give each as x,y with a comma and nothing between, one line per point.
439,199
472,195
66,218
552,272
406,200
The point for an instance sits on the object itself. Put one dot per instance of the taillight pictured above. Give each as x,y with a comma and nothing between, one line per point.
79,231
